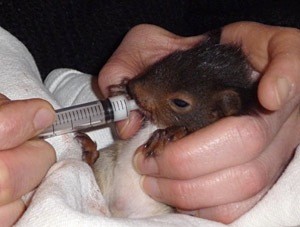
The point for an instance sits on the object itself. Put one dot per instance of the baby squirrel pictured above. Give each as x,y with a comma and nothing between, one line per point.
179,94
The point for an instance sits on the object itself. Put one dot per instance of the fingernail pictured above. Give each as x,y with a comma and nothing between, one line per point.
120,130
150,187
132,118
127,122
145,165
188,212
43,118
283,90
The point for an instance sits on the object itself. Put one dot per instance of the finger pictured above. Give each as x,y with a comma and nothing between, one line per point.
229,212
11,212
212,146
22,120
141,47
232,184
254,39
223,187
275,53
127,128
281,80
22,168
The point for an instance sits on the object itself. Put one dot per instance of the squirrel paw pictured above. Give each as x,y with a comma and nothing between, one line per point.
160,138
89,148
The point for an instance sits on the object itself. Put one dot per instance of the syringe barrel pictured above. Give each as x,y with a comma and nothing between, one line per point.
121,107
89,115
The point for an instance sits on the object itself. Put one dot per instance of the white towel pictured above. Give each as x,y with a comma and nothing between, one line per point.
69,196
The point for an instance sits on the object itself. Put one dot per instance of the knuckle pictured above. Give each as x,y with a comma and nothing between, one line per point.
252,133
254,179
7,126
153,33
279,41
293,33
287,33
143,30
178,166
183,194
141,27
6,191
44,147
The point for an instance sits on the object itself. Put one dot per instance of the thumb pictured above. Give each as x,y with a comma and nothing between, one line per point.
22,120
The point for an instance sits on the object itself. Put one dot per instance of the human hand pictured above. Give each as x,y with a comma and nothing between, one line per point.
24,160
141,47
221,171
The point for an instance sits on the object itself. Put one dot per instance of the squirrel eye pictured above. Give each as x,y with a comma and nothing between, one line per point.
180,103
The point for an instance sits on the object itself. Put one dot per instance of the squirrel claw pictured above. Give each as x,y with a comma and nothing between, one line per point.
160,138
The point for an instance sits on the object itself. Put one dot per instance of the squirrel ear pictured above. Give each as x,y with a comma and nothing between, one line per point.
227,103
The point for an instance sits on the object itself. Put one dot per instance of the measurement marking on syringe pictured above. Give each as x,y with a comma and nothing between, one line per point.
74,117
122,104
99,111
81,114
58,116
127,111
89,115
118,105
84,114
77,115
63,119
94,111
71,119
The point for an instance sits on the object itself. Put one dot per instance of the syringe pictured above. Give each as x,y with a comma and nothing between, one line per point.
90,115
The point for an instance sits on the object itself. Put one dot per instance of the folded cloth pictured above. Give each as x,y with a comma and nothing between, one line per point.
69,195
20,79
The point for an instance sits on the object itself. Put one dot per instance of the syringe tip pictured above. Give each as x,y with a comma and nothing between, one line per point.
132,105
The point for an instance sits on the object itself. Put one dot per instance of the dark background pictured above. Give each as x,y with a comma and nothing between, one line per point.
83,34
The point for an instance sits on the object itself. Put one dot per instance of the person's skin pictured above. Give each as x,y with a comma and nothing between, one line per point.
220,171
24,161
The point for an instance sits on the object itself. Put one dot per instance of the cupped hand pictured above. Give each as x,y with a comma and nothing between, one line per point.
24,160
221,171
274,52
